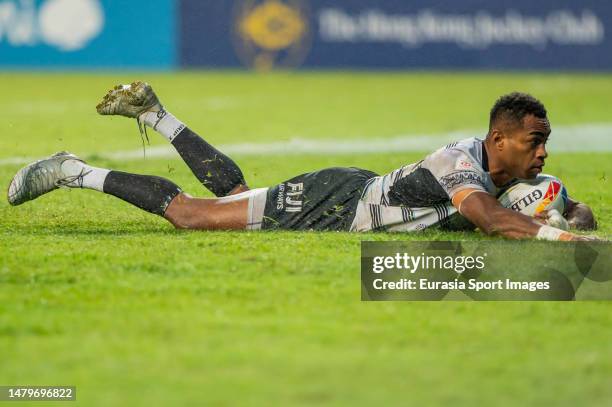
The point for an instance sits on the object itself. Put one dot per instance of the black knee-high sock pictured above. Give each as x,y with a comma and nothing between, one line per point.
216,171
151,193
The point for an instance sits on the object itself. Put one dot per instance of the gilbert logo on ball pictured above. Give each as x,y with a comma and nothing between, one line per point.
531,197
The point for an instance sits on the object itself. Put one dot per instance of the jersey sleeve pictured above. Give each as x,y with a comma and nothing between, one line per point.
455,171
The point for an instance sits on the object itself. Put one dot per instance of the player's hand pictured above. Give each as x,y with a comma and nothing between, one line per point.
552,218
582,238
542,217
580,216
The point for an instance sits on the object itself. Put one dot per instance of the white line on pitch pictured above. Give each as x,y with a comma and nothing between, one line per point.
596,137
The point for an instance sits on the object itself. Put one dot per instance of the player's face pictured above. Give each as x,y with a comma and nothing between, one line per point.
525,149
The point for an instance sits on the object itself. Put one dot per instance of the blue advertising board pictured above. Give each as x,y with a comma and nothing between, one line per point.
88,33
266,34
397,34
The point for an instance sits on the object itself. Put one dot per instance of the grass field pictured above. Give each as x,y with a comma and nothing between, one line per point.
97,294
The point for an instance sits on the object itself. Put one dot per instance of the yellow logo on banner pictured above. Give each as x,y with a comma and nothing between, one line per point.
271,33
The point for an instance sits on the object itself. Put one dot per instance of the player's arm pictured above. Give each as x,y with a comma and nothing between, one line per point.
483,210
579,216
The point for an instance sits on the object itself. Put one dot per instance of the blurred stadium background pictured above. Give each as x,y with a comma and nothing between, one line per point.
266,34
96,294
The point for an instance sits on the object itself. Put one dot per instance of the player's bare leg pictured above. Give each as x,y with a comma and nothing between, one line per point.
217,172
153,194
186,212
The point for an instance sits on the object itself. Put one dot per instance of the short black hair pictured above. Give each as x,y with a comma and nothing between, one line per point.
514,106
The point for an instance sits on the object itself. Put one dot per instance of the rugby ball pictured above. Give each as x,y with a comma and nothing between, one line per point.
531,197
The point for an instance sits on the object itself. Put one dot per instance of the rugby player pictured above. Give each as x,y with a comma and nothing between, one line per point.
453,188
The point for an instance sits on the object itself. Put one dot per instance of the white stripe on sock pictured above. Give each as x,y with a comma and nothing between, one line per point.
163,122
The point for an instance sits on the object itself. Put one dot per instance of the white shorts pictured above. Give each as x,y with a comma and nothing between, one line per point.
257,204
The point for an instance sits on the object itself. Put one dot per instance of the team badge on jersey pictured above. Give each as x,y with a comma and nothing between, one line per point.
463,164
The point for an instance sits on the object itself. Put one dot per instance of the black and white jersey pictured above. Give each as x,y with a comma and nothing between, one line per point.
419,195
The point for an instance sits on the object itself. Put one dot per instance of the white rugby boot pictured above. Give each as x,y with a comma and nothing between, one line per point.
41,177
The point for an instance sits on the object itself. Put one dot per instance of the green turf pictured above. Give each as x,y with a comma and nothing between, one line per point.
97,294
